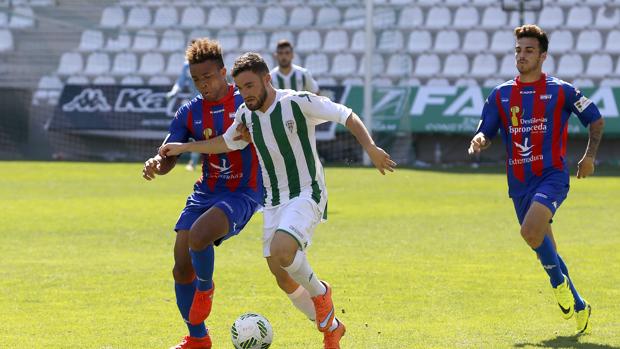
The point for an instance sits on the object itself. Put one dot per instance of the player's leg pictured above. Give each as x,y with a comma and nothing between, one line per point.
298,295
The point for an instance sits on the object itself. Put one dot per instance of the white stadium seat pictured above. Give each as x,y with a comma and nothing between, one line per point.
570,66
391,41
551,17
229,39
344,64
139,17
193,17
328,17
583,82
378,65
599,66
145,40
159,80
507,67
503,41
353,81
301,17
112,17
104,80
358,42
607,17
492,82
475,41
247,17
483,3
568,3
354,17
401,2
326,81
610,82
308,40
617,71
219,17
409,82
515,20
151,63
125,63
455,65
493,18
77,80
254,41
579,17
484,65
165,17
274,17
175,64
97,63
410,17
561,41
4,19
268,58
198,33
172,40
384,17
6,40
548,65
612,44
317,63
438,17
132,80
456,3
419,41
119,43
50,82
91,40
427,3
466,17
437,82
589,41
336,41
280,35
427,65
465,82
70,63
22,17
382,82
447,41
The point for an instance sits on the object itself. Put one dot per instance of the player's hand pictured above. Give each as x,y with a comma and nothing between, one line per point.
172,149
478,143
151,168
585,167
243,134
381,159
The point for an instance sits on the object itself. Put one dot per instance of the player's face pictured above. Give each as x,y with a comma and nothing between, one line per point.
284,56
528,56
210,79
253,88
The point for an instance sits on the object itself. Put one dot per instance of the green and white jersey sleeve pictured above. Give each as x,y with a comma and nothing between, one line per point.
231,132
284,137
298,79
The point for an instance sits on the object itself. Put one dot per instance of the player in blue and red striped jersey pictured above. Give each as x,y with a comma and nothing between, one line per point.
531,112
224,198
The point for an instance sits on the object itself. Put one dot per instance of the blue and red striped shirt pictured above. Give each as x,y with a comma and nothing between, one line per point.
533,121
228,172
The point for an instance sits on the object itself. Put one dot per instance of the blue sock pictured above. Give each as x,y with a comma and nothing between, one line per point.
579,303
203,262
549,260
185,296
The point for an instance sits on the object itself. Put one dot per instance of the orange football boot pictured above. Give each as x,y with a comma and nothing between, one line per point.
324,308
194,343
331,340
201,306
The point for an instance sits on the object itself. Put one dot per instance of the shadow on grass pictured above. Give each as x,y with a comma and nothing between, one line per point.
565,342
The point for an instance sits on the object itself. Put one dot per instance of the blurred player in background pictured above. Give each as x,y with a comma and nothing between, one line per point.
224,198
288,75
531,112
280,124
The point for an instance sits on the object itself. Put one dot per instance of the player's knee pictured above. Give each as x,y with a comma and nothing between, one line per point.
531,236
183,273
199,238
282,253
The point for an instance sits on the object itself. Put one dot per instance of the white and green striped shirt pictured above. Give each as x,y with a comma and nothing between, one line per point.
298,79
286,144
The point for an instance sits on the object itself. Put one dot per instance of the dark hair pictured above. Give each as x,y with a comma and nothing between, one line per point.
533,31
283,43
204,49
250,61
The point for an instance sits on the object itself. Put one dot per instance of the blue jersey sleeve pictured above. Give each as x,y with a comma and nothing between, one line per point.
586,111
178,131
489,122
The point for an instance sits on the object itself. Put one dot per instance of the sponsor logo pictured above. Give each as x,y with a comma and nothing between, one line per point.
533,125
208,133
504,100
524,149
290,124
541,195
582,103
231,115
89,100
217,111
549,266
512,162
555,204
545,97
514,112
527,92
197,122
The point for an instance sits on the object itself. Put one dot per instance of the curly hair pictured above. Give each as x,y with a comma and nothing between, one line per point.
250,61
533,31
204,49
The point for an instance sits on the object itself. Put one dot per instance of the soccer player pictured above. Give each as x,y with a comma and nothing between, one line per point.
531,113
280,124
224,198
288,75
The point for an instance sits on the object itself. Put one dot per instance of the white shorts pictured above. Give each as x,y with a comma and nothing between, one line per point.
298,218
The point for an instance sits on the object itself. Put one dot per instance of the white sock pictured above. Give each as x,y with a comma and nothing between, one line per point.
301,272
301,300
333,326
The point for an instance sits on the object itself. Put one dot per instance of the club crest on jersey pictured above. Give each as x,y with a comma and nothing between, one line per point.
290,124
514,115
207,133
231,115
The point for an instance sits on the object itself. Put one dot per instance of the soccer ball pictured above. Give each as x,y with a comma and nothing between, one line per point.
251,331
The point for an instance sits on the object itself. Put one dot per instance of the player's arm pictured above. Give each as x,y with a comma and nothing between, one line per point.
488,126
158,166
215,145
378,156
585,167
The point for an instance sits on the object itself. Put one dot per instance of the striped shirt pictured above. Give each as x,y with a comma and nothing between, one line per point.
284,138
298,79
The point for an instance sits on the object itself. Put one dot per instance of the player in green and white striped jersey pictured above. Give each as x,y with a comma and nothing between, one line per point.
280,124
288,75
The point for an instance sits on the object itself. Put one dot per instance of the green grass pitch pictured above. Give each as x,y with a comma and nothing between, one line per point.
417,259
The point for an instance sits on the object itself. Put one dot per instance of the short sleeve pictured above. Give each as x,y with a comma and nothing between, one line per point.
311,84
319,109
489,121
178,131
575,101
231,132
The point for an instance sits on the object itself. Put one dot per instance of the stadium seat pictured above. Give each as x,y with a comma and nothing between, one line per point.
561,41
151,63
438,18
567,3
326,81
22,17
336,41
411,17
308,41
6,40
268,58
583,82
607,18
610,82
419,41
612,44
570,66
475,41
159,80
549,65
446,41
139,17
247,17
353,81
70,63
427,3
41,3
384,18
483,3
466,17
125,63
4,19
166,17
175,64
344,64
456,3
119,43
354,17
145,40
484,65
391,41
97,63
328,17
515,20
104,80
317,63
409,82
274,17
50,82
455,65
465,82
192,17
77,80
219,17
551,17
358,42
596,3
172,40
378,65
617,71
579,17
91,40
382,82
507,67
132,80
503,41
199,33
589,41
401,2
493,18
280,35
229,39
301,17
599,66
427,65
437,82
112,17
492,82
254,41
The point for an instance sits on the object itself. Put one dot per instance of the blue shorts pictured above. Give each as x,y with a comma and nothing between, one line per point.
550,191
238,207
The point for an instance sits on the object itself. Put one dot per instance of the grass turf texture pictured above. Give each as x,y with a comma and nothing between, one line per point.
417,259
